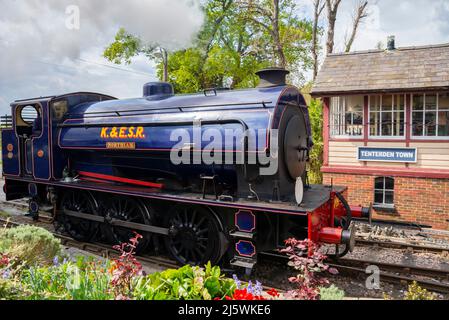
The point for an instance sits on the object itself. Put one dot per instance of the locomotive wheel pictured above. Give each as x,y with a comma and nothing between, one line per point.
79,201
131,210
194,235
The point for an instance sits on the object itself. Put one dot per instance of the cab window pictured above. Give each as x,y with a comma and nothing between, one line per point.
29,120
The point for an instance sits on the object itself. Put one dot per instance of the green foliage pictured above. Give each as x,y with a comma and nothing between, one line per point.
415,292
29,245
11,290
123,48
82,280
316,155
187,283
331,293
287,41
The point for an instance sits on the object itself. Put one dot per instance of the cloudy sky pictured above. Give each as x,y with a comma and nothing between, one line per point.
42,52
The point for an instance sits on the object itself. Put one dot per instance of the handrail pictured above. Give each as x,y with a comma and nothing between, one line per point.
141,112
155,124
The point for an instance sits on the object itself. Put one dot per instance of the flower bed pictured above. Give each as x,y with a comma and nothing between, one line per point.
26,278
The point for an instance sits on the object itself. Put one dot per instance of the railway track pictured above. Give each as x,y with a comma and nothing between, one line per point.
408,247
431,279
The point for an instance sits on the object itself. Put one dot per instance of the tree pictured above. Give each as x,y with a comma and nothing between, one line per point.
287,35
361,13
332,11
127,46
227,52
318,6
266,14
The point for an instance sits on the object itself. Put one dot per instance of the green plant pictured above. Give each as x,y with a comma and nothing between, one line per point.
85,279
331,293
305,257
29,245
125,268
186,283
316,154
10,289
415,292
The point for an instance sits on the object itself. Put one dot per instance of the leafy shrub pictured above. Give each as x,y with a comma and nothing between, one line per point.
415,292
305,257
11,290
125,268
331,293
29,244
186,283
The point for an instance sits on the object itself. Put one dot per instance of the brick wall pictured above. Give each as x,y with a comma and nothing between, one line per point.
423,201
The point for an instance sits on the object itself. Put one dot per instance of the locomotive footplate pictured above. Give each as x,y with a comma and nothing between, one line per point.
314,197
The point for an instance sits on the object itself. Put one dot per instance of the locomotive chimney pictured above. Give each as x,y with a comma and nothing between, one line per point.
151,89
272,77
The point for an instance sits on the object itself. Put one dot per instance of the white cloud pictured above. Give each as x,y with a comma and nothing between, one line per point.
40,56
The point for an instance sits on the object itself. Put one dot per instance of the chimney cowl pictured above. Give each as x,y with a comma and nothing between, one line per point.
272,77
391,45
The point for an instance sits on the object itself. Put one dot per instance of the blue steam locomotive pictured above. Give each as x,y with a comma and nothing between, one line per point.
218,176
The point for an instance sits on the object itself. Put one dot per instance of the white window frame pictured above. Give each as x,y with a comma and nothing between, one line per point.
423,136
390,137
384,191
342,101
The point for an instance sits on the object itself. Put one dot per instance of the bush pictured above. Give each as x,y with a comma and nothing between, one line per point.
10,290
29,245
187,283
331,293
311,268
415,292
